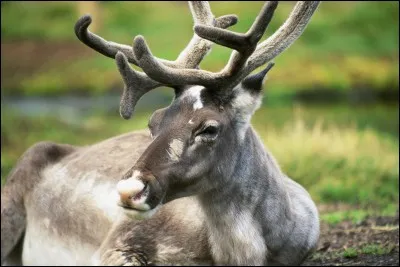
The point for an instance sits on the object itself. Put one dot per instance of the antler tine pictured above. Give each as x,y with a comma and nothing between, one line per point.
198,47
136,84
242,62
244,44
107,48
159,72
239,41
285,36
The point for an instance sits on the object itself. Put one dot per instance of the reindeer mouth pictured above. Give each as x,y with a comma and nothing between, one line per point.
133,195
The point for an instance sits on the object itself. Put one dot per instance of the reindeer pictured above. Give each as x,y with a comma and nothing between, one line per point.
197,188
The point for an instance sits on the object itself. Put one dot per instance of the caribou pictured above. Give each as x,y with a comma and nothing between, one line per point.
197,187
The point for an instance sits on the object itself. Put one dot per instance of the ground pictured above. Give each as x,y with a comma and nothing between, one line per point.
373,241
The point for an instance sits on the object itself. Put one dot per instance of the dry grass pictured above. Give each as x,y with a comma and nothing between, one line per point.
336,164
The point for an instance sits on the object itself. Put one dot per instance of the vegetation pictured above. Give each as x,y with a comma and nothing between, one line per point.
355,216
376,249
350,253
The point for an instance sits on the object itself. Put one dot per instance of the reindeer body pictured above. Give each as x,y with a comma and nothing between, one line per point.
72,218
198,188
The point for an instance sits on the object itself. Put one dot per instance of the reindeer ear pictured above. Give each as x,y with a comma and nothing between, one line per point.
253,83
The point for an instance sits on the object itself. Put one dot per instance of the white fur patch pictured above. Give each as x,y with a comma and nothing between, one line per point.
95,259
190,121
46,222
244,105
195,94
44,244
102,195
167,253
42,247
136,174
245,102
106,198
175,149
239,244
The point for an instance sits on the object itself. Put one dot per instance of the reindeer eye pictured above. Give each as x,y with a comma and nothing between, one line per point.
209,131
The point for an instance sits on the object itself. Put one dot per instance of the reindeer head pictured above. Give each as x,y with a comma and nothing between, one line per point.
200,133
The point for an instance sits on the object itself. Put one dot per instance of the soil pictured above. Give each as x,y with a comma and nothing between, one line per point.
381,232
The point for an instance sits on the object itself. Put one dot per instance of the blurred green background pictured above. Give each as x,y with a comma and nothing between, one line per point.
330,114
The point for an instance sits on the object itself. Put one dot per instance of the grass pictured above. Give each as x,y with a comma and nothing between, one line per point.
376,249
350,253
346,45
339,159
369,249
334,218
332,161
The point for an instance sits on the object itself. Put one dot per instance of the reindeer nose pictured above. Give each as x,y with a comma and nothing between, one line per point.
129,188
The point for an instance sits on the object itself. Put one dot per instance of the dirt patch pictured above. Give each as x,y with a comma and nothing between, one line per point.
374,241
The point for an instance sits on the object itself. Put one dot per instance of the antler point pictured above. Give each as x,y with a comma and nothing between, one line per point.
139,47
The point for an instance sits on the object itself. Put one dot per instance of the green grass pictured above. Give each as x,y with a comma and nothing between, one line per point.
350,253
346,44
47,21
334,218
358,215
376,249
332,156
341,158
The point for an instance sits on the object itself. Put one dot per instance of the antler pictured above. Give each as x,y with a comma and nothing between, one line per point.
138,83
246,57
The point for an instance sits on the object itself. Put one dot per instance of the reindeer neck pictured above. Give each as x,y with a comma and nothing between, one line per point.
236,209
